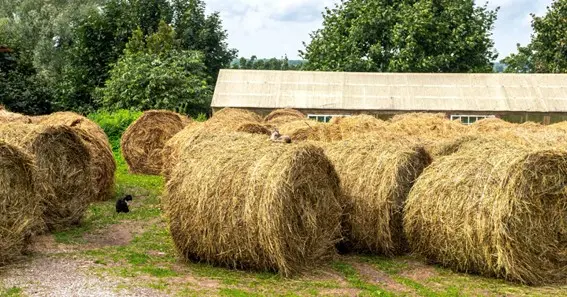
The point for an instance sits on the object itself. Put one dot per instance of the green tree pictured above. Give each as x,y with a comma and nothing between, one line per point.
403,36
197,31
521,62
155,73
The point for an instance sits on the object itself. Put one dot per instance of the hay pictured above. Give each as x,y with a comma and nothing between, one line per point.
496,208
307,130
9,117
355,126
174,146
253,128
240,201
427,126
143,141
230,119
376,177
20,203
491,125
103,165
282,116
63,162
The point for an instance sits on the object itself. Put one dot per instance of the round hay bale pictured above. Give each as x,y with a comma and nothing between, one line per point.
431,126
240,201
280,116
376,177
495,208
253,128
307,130
63,163
20,203
491,125
177,143
354,126
143,141
103,165
230,119
8,117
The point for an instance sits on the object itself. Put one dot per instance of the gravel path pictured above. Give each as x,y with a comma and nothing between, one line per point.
58,276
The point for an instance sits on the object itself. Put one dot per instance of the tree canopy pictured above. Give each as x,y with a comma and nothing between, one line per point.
547,51
403,36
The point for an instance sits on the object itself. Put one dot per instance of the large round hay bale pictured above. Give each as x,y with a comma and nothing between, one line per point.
143,141
491,125
229,119
103,165
240,201
8,117
63,163
496,208
307,130
253,128
376,177
432,126
20,203
281,116
354,126
177,143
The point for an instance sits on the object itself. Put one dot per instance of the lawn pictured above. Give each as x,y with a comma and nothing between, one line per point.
135,250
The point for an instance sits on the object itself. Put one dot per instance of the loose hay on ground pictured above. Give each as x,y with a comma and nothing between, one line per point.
63,163
143,141
241,201
20,203
103,165
496,208
376,177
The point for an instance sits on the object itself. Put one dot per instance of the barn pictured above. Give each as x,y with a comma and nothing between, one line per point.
469,97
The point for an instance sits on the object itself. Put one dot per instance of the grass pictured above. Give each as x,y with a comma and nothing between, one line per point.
151,257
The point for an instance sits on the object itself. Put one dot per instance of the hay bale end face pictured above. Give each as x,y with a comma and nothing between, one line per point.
240,201
64,176
103,165
20,203
143,142
496,208
376,177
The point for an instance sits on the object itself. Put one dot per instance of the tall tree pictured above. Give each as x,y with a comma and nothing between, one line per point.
403,36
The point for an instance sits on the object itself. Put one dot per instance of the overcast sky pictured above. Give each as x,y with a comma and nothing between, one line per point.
273,28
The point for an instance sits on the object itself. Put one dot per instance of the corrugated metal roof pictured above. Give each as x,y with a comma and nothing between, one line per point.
391,91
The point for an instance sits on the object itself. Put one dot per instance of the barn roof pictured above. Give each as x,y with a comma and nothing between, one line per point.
391,91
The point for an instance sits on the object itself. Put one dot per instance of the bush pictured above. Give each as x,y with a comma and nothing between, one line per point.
115,123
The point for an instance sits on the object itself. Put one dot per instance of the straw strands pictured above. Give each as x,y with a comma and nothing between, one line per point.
20,203
282,116
493,207
241,201
376,177
63,162
103,165
143,141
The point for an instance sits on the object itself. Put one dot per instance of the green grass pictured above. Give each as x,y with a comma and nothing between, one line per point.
11,292
353,278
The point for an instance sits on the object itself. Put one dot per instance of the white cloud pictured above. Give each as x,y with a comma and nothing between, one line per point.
271,28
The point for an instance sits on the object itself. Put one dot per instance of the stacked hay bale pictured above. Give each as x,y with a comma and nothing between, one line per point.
63,162
143,141
103,165
282,116
307,130
376,177
240,201
231,120
425,125
7,116
493,207
355,126
491,125
20,202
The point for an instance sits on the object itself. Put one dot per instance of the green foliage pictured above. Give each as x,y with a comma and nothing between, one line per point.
547,52
271,64
403,36
115,123
157,75
21,90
